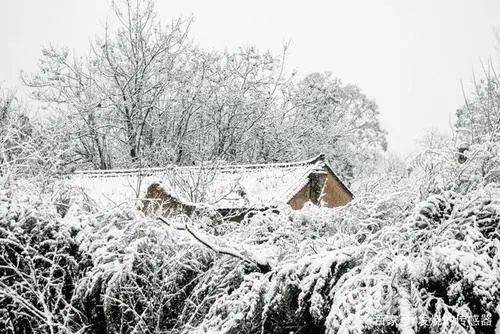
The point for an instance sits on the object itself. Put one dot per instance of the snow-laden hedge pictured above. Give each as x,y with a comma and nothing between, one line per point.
40,266
378,265
438,271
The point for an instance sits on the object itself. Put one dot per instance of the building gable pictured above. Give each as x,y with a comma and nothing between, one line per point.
327,191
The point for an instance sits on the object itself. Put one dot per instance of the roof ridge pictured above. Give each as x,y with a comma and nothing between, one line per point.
227,167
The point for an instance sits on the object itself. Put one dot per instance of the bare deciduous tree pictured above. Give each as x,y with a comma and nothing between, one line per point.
111,94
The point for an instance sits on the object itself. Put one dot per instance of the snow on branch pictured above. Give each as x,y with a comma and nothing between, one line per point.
244,255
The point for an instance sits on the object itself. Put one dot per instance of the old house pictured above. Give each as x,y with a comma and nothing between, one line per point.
233,190
229,190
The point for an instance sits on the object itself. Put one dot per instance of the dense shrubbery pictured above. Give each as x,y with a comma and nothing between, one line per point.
437,271
40,266
368,267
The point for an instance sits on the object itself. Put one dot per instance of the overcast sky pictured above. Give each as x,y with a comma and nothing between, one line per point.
408,55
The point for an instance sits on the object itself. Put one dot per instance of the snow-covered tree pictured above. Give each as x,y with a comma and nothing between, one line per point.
109,96
324,115
29,148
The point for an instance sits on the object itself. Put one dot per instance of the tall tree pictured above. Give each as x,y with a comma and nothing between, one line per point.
477,130
324,115
112,93
221,105
479,118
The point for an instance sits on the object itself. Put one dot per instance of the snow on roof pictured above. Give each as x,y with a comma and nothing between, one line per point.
219,186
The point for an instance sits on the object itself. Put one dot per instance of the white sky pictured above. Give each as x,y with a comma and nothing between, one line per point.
408,55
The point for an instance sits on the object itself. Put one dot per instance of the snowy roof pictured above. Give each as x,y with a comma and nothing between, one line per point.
219,186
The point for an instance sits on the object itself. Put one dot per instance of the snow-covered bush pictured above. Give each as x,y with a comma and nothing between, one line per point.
40,265
381,264
436,271
81,269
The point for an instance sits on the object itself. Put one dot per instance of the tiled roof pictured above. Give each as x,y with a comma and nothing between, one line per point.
218,186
